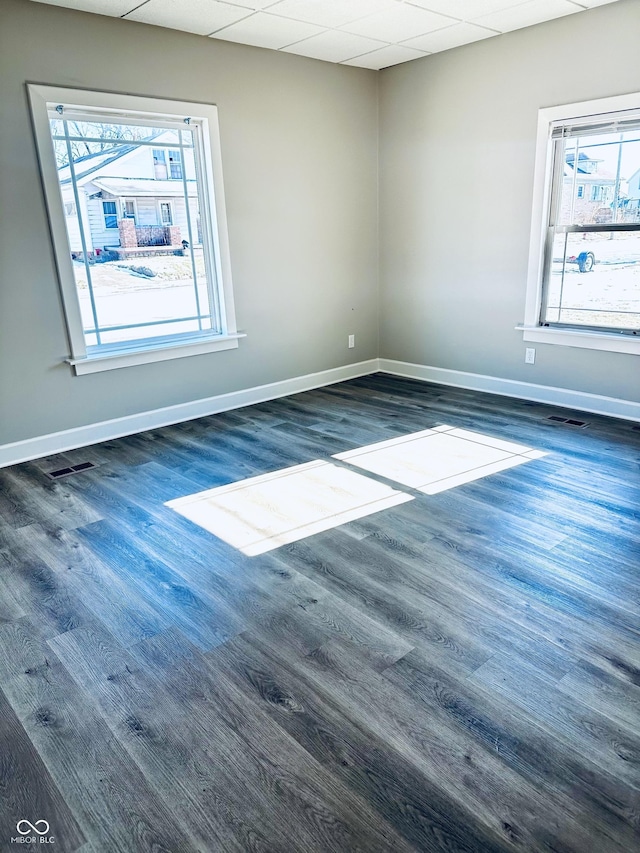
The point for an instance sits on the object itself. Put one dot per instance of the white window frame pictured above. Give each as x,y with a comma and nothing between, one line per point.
213,223
125,202
114,202
168,201
164,161
176,162
531,329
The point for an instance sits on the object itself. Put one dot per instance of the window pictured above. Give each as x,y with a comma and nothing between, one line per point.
129,209
174,298
166,216
584,271
175,165
174,159
160,164
110,213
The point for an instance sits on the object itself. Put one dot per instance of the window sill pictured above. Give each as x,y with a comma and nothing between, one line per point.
127,358
584,340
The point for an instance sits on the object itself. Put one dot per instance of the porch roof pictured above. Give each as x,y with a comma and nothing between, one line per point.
147,187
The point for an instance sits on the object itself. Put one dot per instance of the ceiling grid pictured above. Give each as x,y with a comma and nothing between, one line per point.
366,33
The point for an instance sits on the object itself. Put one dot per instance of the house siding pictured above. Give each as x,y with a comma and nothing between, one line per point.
101,236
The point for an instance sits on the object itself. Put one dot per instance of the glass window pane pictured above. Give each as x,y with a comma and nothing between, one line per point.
112,130
175,165
155,290
601,179
595,281
141,277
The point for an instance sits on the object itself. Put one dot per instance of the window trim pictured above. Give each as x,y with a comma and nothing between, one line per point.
178,162
114,202
212,216
542,182
162,151
168,201
128,200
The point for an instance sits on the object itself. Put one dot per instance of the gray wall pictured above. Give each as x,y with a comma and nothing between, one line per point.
457,139
299,146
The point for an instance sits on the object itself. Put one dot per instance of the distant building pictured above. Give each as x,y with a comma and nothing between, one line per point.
633,197
133,199
594,191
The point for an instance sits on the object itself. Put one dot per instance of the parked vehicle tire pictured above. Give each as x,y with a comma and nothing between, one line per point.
586,261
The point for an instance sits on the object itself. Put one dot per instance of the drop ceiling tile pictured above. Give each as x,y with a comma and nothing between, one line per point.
100,7
392,55
466,9
527,14
330,13
263,30
453,36
398,23
192,16
334,46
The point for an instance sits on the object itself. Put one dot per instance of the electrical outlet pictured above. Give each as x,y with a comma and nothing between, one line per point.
530,355
352,341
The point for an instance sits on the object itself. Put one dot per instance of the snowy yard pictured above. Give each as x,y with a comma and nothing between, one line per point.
143,290
609,295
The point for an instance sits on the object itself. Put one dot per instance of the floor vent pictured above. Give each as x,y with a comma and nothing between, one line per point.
568,421
72,469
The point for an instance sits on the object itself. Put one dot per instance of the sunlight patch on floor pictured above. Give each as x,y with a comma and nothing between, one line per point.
437,459
263,513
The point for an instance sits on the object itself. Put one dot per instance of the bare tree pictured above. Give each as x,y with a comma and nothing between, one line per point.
94,138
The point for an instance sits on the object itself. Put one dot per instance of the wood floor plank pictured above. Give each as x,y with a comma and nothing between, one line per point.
611,807
110,798
150,575
326,814
49,499
617,696
407,799
438,616
185,767
257,589
456,674
79,570
614,746
27,791
495,795
42,596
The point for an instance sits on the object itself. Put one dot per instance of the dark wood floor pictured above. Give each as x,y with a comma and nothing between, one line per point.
458,673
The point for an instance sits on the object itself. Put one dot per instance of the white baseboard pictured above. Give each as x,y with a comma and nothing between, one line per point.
70,439
593,403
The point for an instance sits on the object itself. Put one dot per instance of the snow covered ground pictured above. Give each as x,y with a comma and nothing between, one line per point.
609,295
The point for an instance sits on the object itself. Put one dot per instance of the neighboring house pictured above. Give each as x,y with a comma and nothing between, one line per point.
633,196
595,190
133,198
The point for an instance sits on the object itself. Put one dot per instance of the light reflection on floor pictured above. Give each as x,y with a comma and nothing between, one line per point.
262,513
437,459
